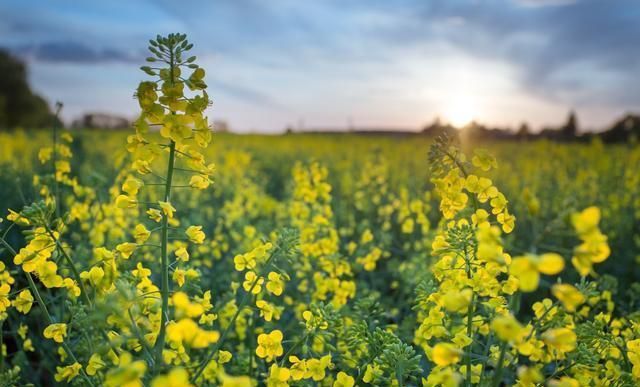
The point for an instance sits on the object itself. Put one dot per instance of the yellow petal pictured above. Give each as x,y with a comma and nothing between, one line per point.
551,263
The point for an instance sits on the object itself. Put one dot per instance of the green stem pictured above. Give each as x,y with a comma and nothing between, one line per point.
469,334
293,347
469,315
164,288
497,377
55,159
486,355
252,339
141,338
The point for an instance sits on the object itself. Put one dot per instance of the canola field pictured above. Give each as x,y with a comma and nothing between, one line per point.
170,255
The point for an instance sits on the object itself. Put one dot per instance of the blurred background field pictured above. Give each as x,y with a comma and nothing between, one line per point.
559,177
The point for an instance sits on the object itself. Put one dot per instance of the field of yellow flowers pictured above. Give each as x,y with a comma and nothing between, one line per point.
173,256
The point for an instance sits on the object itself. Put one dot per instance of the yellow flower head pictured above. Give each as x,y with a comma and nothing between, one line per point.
126,249
128,372
154,214
177,377
344,380
141,234
275,283
132,185
457,300
167,209
68,373
268,310
316,368
278,376
444,354
182,254
586,222
124,201
244,261
298,368
483,160
17,218
507,328
57,332
569,295
24,301
560,339
95,364
270,345
564,381
187,332
199,181
195,234
527,269
235,381
252,282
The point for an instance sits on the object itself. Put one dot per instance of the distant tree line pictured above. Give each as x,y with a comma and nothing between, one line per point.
623,130
626,129
19,106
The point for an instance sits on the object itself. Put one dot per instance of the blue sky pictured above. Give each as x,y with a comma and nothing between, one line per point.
368,63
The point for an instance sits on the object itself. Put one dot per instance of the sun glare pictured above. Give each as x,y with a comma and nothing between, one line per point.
460,111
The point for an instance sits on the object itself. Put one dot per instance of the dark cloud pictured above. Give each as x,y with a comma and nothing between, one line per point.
75,52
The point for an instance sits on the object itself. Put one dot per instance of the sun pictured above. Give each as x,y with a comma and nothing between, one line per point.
460,111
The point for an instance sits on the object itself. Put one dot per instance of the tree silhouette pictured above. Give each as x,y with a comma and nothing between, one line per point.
570,129
19,106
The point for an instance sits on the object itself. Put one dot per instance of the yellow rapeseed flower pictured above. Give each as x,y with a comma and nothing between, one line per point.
95,364
5,289
507,328
128,372
199,181
569,295
298,368
182,254
67,373
132,185
561,340
126,249
344,380
195,234
252,282
124,201
57,332
275,283
444,354
456,300
316,368
270,345
167,209
177,377
24,301
141,234
278,376
527,269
